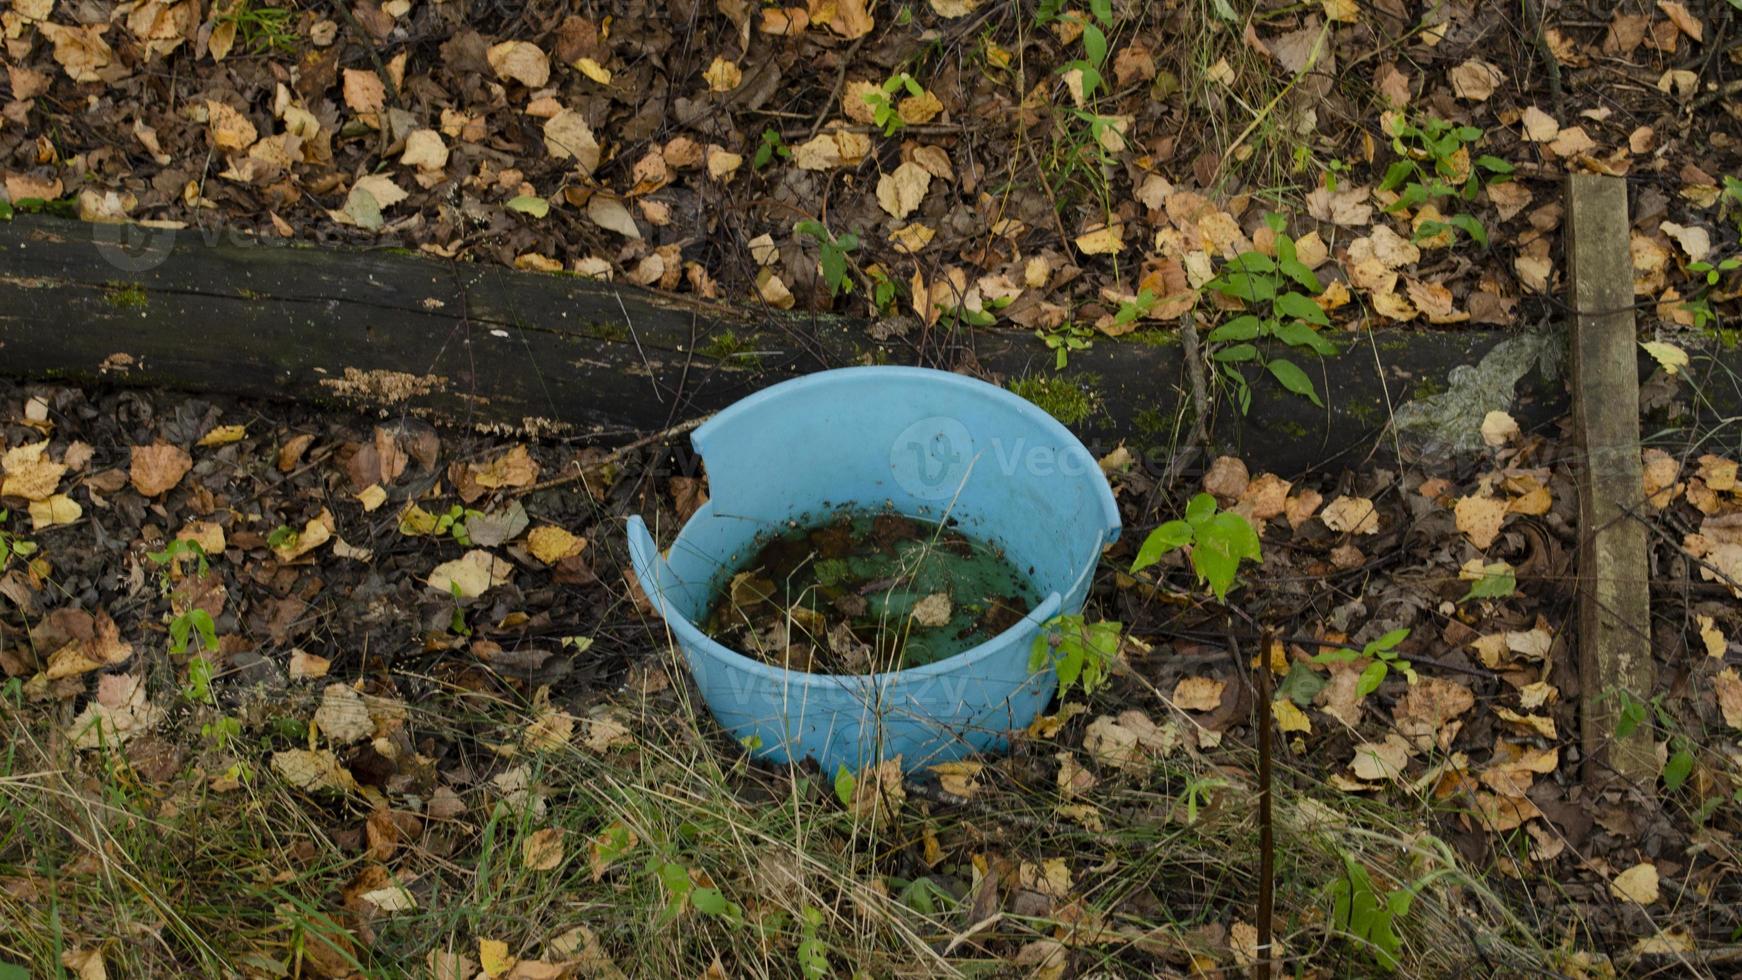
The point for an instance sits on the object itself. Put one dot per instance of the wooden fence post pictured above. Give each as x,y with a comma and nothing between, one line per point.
1614,608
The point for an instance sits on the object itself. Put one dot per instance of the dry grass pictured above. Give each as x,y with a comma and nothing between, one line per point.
167,877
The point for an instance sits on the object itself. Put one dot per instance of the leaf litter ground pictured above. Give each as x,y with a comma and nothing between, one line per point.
439,730
377,767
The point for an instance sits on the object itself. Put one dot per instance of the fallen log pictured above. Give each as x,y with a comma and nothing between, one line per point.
474,344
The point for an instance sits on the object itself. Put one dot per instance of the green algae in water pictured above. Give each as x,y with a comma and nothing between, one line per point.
864,593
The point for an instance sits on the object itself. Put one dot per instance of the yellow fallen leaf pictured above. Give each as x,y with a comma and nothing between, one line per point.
53,511
551,544
1636,884
315,532
1666,354
1102,240
373,496
493,957
722,75
1289,717
222,435
959,778
29,472
470,575
1051,877
1711,636
593,70
521,61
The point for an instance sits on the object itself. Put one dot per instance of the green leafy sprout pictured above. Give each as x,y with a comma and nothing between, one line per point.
1219,540
1434,163
1081,652
883,110
1383,653
1279,294
832,254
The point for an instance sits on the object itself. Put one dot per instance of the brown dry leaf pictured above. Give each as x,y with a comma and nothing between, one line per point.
567,136
1498,814
1050,877
1539,126
959,778
80,51
610,213
1353,515
119,711
1479,518
1379,761
1199,693
521,61
952,9
514,468
1729,689
1300,508
878,791
424,150
312,770
342,716
231,131
1499,428
542,850
1073,780
1684,21
1434,300
1508,198
1711,637
606,731
1349,208
157,468
86,964
1475,80
1227,479
1266,496
848,18
916,110
1694,240
1571,142
307,666
900,191
1660,478
364,91
371,497
1638,883
933,611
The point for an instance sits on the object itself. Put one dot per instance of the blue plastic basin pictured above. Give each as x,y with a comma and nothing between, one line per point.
925,444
